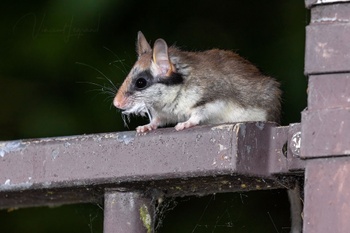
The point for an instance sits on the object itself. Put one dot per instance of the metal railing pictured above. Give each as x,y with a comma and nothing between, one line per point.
131,170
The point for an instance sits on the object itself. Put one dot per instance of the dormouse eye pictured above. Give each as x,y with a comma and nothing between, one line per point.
141,83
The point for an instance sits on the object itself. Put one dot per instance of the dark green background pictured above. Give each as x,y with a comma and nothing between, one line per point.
44,90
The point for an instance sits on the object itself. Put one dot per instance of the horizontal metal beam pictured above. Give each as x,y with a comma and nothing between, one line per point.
204,159
310,3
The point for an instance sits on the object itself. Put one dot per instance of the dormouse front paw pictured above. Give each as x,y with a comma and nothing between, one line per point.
146,128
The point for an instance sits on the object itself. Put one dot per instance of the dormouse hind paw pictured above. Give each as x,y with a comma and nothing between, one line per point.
193,121
184,125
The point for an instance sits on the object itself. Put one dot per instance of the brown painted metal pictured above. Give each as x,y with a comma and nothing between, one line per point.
311,3
325,125
203,159
325,52
326,133
126,212
329,91
278,145
327,195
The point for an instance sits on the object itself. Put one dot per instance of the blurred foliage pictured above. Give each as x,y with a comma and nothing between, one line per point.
45,87
44,90
85,218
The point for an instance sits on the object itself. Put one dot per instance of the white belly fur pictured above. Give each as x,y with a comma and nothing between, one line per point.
224,112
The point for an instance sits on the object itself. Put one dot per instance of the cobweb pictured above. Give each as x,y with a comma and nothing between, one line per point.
261,211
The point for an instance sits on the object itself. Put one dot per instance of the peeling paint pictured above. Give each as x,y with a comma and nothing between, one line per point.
47,184
68,141
55,153
248,149
260,125
126,137
97,138
7,185
240,128
330,20
222,147
11,146
198,137
330,1
324,50
227,127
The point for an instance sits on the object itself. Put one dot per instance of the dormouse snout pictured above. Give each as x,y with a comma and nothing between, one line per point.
119,101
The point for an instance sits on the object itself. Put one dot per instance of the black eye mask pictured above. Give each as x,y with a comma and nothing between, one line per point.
145,79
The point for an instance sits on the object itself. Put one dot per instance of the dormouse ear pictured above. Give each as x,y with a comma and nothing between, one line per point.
142,45
161,58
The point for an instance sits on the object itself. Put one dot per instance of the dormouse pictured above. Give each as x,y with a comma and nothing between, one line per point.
184,88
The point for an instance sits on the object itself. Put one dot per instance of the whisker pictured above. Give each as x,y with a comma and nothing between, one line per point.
109,99
111,106
102,88
124,120
98,71
122,62
148,113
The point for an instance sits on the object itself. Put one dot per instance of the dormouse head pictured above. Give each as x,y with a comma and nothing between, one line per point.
149,79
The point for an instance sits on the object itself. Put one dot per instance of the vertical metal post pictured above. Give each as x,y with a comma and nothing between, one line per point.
127,212
325,125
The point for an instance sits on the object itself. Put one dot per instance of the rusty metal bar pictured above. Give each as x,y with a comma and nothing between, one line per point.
127,212
205,159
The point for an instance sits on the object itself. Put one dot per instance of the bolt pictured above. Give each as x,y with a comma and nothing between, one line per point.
294,144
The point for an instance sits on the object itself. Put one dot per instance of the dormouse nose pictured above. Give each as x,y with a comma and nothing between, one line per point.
119,101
